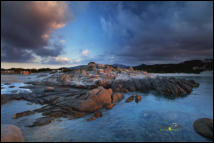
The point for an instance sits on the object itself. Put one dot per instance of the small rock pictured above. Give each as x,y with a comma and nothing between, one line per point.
11,86
91,118
48,89
95,116
109,106
204,127
137,98
130,99
79,114
21,114
98,114
70,117
126,90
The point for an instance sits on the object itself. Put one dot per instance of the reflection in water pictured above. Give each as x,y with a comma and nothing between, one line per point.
152,119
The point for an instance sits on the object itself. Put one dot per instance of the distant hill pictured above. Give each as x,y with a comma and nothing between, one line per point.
78,67
120,65
193,66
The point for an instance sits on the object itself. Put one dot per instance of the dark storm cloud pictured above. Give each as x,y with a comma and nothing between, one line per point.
161,32
26,29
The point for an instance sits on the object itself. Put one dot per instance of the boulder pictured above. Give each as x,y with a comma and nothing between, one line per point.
204,127
91,66
116,97
11,133
96,99
130,99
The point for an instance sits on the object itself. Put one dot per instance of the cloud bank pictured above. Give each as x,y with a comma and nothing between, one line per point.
156,32
27,27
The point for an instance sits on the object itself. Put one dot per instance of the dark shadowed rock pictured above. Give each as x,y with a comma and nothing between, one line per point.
11,86
98,114
137,98
6,98
125,90
91,118
204,127
130,99
41,121
95,116
11,133
79,114
48,89
21,114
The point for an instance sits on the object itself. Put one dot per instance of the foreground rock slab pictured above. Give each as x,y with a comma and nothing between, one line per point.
204,127
11,133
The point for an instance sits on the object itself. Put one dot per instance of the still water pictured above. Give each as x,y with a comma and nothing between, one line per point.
148,120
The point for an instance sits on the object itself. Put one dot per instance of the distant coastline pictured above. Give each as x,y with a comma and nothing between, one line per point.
191,66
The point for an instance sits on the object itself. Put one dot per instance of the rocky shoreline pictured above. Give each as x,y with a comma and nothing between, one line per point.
79,92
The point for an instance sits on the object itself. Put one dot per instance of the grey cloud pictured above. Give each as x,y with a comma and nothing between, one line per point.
27,26
164,31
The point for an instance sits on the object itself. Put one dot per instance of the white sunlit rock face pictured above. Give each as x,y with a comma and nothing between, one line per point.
95,75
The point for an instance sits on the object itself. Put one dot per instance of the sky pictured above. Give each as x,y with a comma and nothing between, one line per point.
64,34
